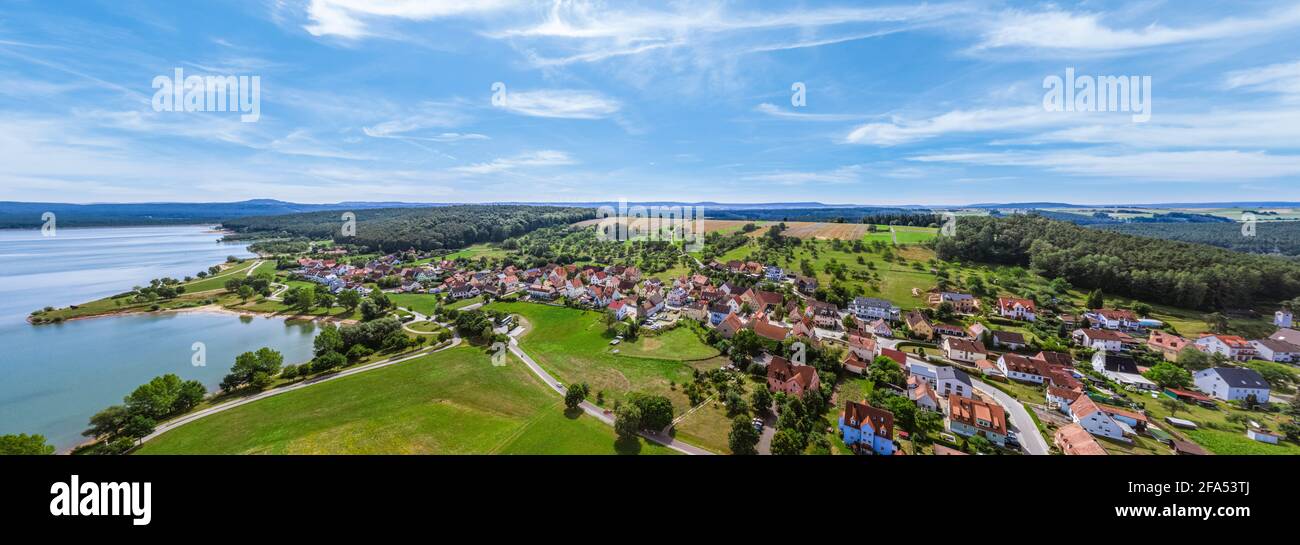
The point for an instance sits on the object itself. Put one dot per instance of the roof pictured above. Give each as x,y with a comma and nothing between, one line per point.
1239,377
871,302
1083,406
1011,302
968,411
1063,393
1286,334
1274,345
769,330
1187,393
1009,337
1023,364
1186,447
1115,314
1055,358
946,373
965,345
1119,363
1075,440
1160,339
882,421
782,370
896,355
1230,340
851,359
1102,335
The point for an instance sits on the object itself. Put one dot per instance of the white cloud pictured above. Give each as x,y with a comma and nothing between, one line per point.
778,112
902,130
1063,30
842,175
1277,78
1200,165
544,158
348,18
561,103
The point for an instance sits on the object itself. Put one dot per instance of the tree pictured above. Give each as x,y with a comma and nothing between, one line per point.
927,424
1172,405
1169,375
575,395
885,371
108,422
370,311
139,426
245,292
1095,300
1193,359
164,396
980,444
761,400
325,300
1217,322
656,411
328,340
23,444
305,300
249,364
787,442
232,284
327,361
349,299
628,421
1142,309
743,438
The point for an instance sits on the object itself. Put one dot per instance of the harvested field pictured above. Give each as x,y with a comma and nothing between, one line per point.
800,229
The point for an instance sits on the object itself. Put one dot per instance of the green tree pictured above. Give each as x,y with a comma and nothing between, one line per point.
575,395
1217,322
1169,375
761,400
164,396
743,438
787,442
656,411
1193,359
349,299
328,340
108,422
627,422
327,361
1095,300
23,444
245,292
265,361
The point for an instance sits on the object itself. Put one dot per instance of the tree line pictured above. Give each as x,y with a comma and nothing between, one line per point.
1168,272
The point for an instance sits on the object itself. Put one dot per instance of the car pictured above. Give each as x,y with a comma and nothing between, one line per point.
615,341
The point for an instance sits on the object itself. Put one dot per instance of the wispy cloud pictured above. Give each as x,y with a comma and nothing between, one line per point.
1064,30
1199,165
903,130
842,175
561,103
544,158
1276,78
350,18
778,112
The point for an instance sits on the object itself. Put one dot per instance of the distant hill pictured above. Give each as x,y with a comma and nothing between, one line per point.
28,215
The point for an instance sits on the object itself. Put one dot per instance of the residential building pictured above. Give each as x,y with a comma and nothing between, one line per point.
825,315
870,308
1286,334
729,326
865,347
1167,344
1110,318
879,328
854,363
1099,339
1086,413
1009,340
1232,384
920,392
897,355
1283,318
969,417
962,303
963,350
769,330
867,429
1073,440
1231,346
1017,309
1062,398
920,326
1278,351
1122,369
1022,368
783,376
950,381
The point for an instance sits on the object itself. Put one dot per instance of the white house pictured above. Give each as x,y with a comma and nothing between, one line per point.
870,308
1017,309
1232,383
950,380
1231,346
1085,412
1282,318
1121,369
1022,368
1099,339
963,350
1278,351
1112,318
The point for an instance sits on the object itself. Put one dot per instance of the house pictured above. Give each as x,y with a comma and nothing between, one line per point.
1099,339
1072,439
871,308
804,327
865,347
963,303
1062,398
1233,347
854,363
1086,413
896,355
920,392
773,273
989,368
940,450
1286,334
1166,344
1122,369
963,350
947,330
783,376
622,310
919,325
1110,318
722,308
1262,436
729,326
969,417
867,429
879,328
805,284
1022,368
977,330
950,381
769,330
1278,351
761,301
1232,384
1055,359
1009,340
1283,318
1017,309
825,315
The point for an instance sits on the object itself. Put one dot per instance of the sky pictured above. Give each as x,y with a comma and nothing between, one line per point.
877,103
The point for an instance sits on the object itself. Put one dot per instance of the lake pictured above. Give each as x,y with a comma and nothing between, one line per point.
54,377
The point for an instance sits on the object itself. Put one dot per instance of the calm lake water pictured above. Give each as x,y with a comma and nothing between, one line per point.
54,377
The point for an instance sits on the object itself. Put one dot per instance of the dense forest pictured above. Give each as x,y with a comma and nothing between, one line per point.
883,216
1271,237
1169,272
395,229
28,215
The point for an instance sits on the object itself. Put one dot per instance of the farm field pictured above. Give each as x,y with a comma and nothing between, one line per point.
799,229
452,402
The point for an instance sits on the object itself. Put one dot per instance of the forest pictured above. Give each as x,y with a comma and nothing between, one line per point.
1174,273
882,216
396,229
1271,237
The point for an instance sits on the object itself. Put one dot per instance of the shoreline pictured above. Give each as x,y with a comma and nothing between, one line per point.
212,308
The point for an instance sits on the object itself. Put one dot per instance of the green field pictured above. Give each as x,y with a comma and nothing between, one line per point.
422,303
218,281
1218,435
451,402
476,251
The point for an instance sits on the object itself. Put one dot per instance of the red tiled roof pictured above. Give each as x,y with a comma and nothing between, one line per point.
882,421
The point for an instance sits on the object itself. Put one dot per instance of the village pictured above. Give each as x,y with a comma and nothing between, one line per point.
961,360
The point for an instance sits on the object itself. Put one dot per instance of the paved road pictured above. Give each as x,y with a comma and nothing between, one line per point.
593,410
173,424
1021,422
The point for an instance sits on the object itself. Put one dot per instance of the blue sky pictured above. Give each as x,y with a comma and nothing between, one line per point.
940,103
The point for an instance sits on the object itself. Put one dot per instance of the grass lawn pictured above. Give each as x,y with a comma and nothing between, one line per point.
573,345
426,327
708,427
476,251
419,302
1218,435
462,303
218,281
678,344
452,402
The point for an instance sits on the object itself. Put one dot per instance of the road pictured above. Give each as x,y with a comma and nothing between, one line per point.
1020,421
173,424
